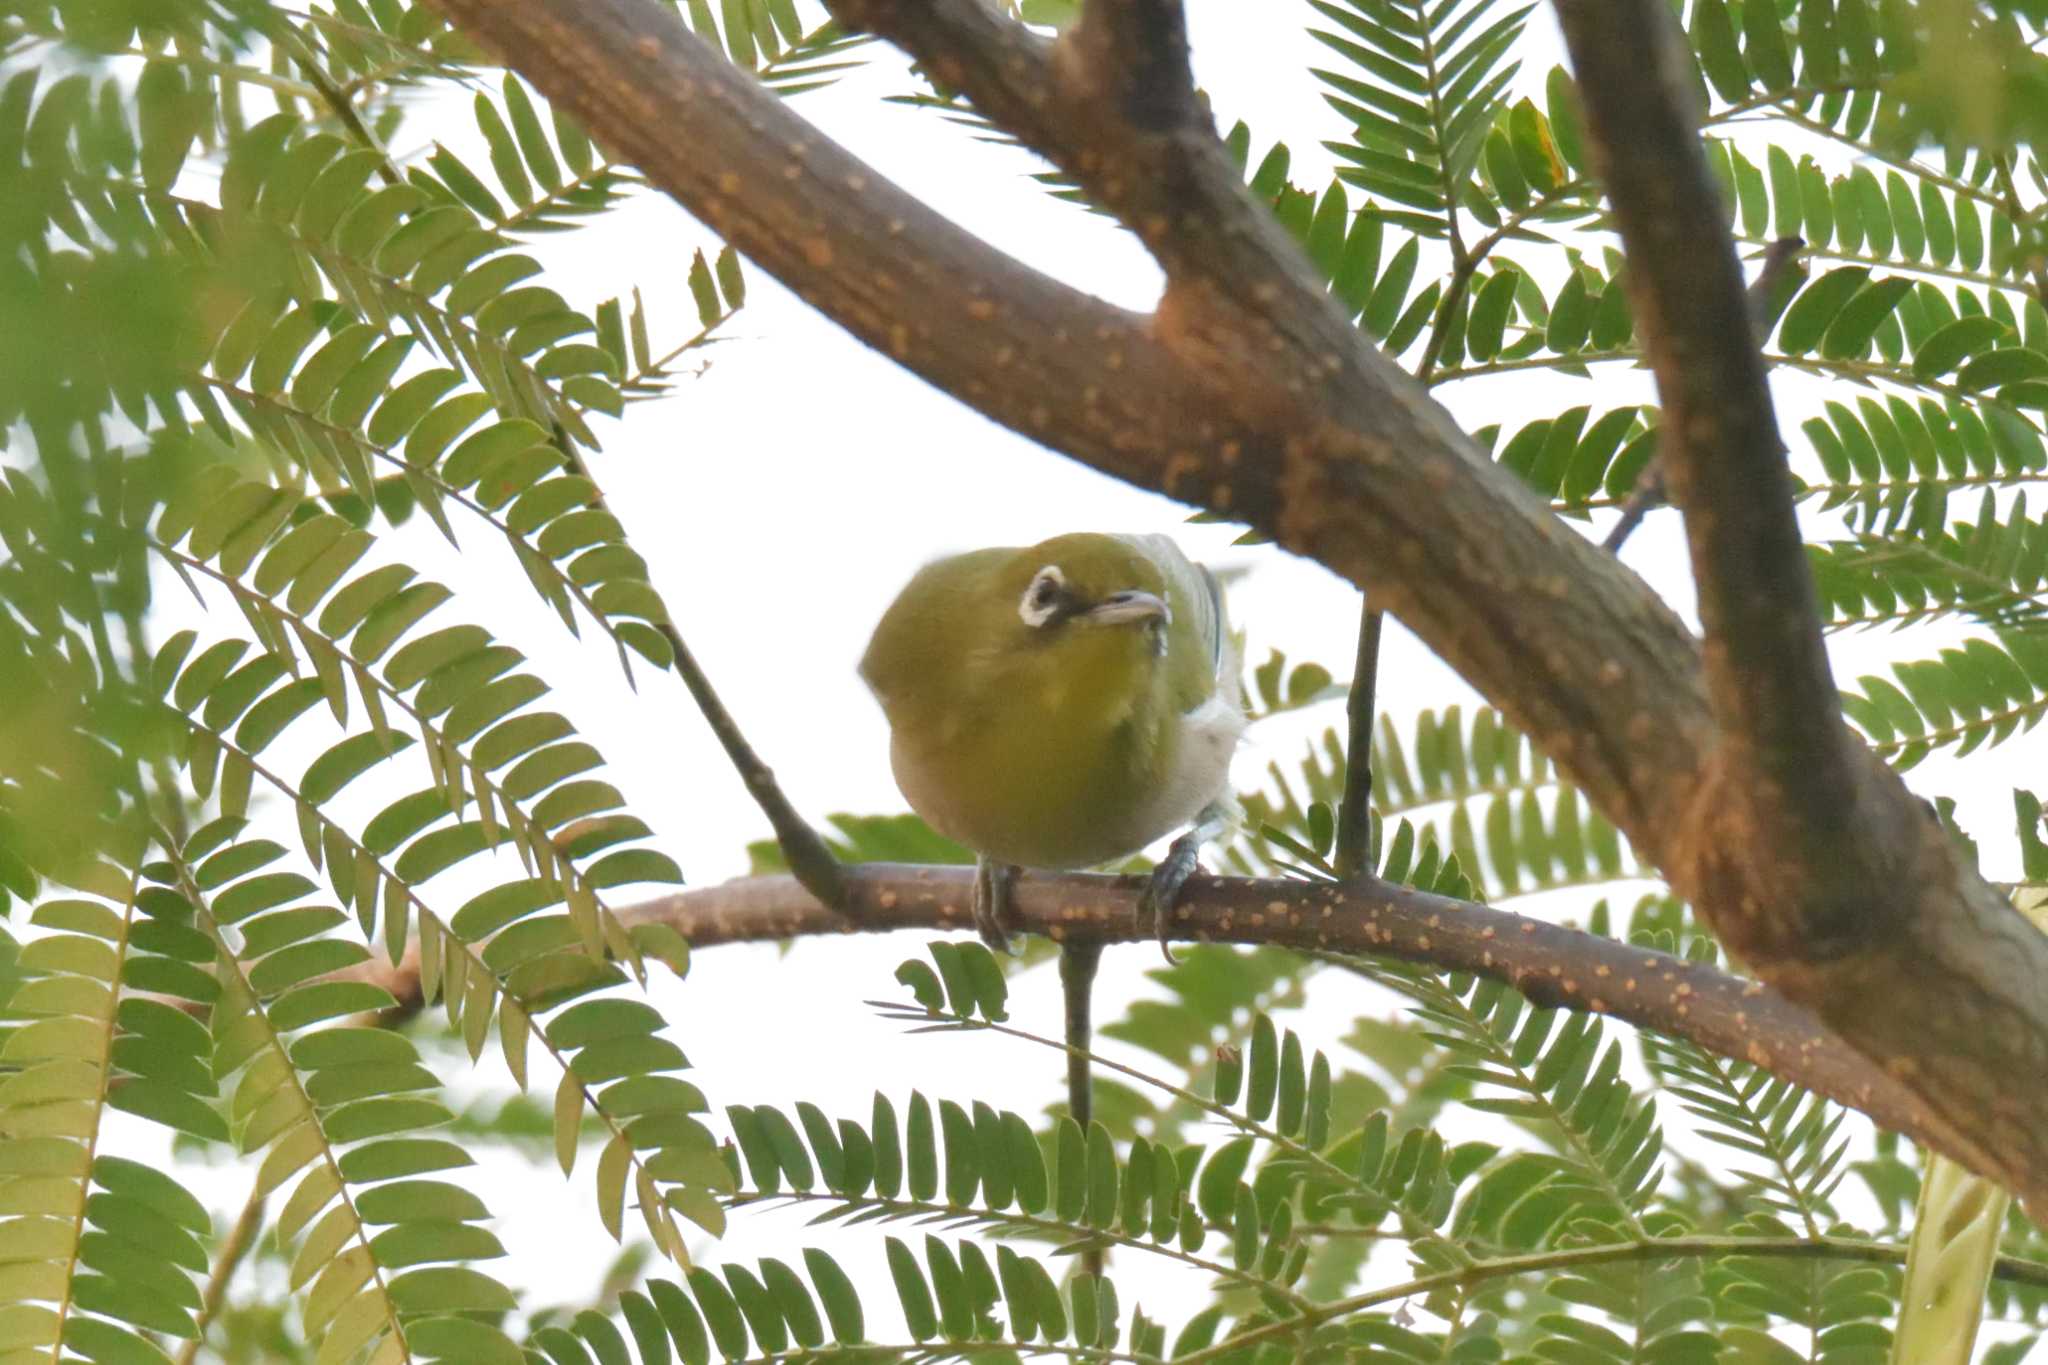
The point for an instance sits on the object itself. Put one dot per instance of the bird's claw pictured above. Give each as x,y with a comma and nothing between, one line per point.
992,904
1162,890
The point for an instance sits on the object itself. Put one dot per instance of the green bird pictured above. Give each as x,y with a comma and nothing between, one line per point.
1060,706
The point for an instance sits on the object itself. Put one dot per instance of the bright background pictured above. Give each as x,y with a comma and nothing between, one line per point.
783,496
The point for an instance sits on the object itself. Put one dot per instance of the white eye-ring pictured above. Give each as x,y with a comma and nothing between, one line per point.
1042,599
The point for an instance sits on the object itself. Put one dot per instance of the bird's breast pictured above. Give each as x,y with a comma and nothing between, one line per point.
1056,784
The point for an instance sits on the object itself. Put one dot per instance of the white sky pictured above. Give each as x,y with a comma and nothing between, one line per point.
782,499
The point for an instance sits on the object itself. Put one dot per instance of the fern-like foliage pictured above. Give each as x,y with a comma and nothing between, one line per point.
280,877
1435,77
1474,808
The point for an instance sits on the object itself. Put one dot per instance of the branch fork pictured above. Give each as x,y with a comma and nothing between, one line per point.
1726,763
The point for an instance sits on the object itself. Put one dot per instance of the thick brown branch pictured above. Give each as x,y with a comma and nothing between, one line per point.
1138,50
1776,281
1723,460
1249,393
1813,864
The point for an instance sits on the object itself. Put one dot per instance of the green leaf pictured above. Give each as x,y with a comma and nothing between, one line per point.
1764,45
2006,365
911,1290
1265,1069
704,291
1490,310
963,1166
888,1150
1849,333
693,1347
1816,306
1070,1171
1954,342
1713,37
1216,1186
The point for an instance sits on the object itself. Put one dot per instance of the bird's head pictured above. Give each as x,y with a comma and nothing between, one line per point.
1079,615
1081,583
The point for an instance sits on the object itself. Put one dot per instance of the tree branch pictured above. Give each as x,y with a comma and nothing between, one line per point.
1809,859
1556,967
1766,663
802,848
1777,279
1248,392
233,1248
1354,812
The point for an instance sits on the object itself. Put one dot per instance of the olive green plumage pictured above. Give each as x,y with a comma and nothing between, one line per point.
1063,704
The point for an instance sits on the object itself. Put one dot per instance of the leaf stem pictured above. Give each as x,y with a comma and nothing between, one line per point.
1415,1230
925,1210
2037,264
105,1079
2008,1268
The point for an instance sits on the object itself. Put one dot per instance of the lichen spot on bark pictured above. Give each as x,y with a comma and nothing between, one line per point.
981,310
818,252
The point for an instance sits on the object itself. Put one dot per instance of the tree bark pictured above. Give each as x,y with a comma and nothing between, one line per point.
1554,966
1248,392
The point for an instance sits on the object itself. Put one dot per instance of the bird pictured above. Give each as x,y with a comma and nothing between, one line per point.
1063,705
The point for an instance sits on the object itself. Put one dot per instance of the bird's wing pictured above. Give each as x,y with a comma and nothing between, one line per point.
1226,646
1212,620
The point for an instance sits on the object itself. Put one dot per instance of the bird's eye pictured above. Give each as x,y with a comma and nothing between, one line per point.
1042,598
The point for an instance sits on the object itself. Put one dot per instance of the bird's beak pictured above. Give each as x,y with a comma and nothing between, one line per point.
1120,608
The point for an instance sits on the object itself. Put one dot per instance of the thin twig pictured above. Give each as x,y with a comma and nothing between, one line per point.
2037,264
233,1249
1354,814
809,860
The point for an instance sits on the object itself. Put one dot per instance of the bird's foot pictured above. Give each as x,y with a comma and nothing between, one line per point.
992,912
1182,860
1162,891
